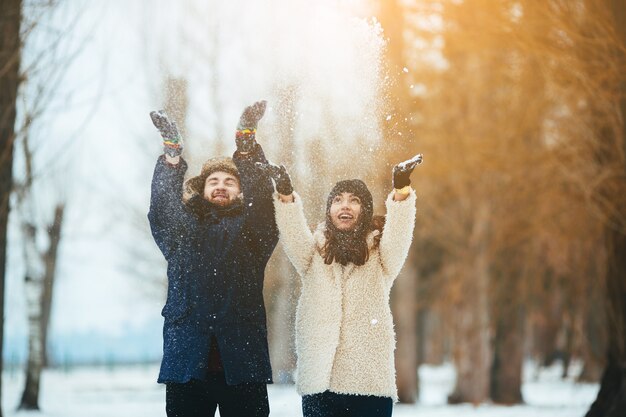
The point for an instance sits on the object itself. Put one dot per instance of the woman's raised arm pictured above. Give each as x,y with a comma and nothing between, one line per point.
296,236
399,220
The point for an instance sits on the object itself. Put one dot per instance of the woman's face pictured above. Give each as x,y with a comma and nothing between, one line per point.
345,210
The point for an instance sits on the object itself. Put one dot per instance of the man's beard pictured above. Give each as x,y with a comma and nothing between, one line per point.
223,202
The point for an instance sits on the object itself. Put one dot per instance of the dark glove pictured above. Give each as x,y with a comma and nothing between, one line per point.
172,141
402,172
246,128
279,175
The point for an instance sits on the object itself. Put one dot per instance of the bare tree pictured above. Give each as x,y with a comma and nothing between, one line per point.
10,47
39,282
47,66
40,271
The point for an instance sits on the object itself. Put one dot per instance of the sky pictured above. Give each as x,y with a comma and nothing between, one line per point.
98,146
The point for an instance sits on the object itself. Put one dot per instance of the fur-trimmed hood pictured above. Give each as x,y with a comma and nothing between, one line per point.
195,185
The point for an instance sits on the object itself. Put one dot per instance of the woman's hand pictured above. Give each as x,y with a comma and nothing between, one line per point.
245,138
401,176
281,177
172,140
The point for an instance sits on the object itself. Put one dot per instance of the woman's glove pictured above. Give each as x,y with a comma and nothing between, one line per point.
279,175
246,129
172,141
402,172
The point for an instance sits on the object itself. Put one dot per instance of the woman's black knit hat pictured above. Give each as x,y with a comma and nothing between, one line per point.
359,189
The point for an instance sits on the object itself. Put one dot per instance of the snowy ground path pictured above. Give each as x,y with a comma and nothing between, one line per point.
132,392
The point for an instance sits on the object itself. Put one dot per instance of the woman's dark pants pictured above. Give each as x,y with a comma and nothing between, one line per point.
330,404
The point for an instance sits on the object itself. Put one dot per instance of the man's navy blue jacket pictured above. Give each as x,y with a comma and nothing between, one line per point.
215,273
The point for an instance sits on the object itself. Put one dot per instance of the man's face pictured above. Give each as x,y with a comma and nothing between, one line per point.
221,188
345,210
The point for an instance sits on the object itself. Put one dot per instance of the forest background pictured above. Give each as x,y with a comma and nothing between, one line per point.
518,107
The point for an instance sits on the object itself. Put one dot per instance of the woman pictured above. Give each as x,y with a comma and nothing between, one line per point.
344,329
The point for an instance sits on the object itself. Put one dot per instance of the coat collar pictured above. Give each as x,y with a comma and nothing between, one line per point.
211,213
320,238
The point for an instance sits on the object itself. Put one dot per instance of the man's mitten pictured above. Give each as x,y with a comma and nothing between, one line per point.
172,141
246,129
402,172
280,176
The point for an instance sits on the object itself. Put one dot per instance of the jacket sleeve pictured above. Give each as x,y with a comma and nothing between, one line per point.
297,239
167,212
259,220
397,234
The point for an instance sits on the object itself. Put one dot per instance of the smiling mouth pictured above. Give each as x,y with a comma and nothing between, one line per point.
345,216
220,195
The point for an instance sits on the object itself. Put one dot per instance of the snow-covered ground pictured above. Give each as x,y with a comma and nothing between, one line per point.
133,392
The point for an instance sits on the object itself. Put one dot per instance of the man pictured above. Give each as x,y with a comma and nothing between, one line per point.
217,237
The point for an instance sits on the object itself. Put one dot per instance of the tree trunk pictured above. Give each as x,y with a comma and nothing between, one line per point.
433,338
611,400
405,320
506,371
50,260
39,282
594,328
10,46
508,354
548,322
472,351
33,283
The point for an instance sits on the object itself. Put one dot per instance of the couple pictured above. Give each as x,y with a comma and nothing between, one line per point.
218,230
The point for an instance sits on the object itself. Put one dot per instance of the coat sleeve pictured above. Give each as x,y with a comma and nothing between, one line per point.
397,234
259,220
297,239
167,212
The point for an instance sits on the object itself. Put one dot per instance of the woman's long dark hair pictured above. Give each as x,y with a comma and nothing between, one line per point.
350,246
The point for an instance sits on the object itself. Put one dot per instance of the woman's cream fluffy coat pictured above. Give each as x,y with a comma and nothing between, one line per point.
345,339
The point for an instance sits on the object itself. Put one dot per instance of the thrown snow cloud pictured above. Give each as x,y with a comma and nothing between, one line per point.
319,54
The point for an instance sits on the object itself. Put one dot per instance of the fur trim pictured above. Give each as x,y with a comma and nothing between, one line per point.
320,237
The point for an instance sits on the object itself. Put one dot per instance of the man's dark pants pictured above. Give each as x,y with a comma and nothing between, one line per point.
201,398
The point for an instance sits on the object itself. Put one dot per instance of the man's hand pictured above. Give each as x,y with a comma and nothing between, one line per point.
279,175
245,137
172,141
